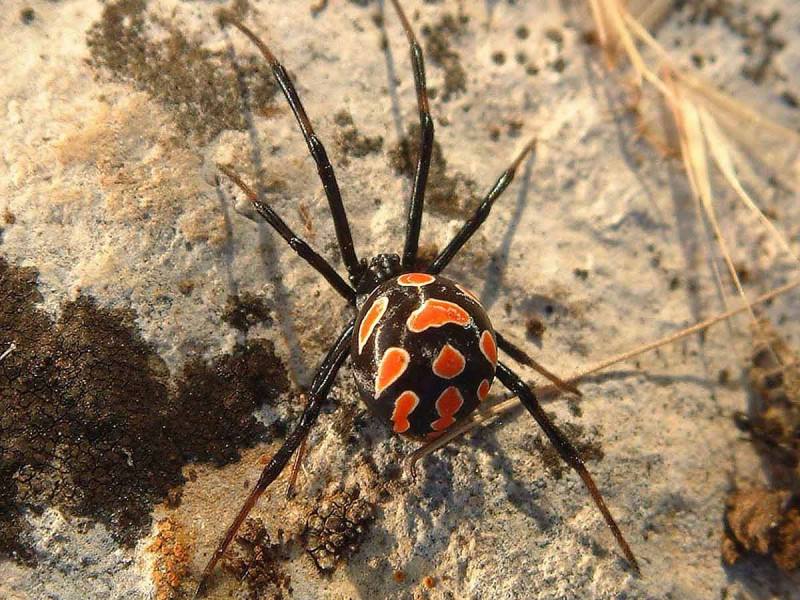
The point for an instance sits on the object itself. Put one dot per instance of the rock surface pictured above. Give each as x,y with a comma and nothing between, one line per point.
115,117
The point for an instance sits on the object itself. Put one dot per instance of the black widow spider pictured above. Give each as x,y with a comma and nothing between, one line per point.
423,348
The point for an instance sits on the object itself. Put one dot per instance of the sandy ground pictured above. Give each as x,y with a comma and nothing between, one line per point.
109,189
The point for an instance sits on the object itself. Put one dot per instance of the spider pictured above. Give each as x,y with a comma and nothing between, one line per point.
423,349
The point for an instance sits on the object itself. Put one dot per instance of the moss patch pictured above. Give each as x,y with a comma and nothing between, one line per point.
197,86
350,142
91,421
439,51
451,194
246,310
587,445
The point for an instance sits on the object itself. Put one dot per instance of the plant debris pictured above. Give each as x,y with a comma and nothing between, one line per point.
335,527
255,561
767,521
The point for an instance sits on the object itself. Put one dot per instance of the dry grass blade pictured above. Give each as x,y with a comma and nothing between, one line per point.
687,96
8,351
721,154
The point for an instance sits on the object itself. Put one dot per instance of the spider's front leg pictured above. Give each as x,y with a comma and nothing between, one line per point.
323,381
414,221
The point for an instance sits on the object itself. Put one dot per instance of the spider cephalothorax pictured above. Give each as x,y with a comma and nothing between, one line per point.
424,353
380,268
423,349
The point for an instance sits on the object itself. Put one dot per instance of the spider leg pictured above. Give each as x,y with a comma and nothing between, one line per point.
315,147
476,220
519,355
319,390
414,222
298,245
565,450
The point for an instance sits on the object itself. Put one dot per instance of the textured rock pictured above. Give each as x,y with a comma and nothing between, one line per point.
115,117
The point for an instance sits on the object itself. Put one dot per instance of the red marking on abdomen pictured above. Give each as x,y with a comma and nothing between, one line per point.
435,313
403,407
488,347
392,366
417,279
447,405
449,363
483,389
370,320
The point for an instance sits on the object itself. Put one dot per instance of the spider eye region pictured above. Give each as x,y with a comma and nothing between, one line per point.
424,353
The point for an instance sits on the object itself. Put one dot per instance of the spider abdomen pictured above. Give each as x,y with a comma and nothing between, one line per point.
424,353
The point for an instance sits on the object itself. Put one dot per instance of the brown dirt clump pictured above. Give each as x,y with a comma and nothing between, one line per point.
352,143
764,522
439,51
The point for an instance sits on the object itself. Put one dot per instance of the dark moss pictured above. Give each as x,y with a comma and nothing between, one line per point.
92,423
27,16
587,445
350,142
451,194
246,310
534,327
790,100
439,51
761,43
197,86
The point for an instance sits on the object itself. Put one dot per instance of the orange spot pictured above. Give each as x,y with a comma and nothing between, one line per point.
370,320
447,405
393,364
435,313
483,389
449,363
488,347
468,293
404,406
417,279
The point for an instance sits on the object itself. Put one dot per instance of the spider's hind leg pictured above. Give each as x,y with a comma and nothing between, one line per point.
322,383
565,450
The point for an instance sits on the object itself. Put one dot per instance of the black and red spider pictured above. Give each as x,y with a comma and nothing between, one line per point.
423,349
